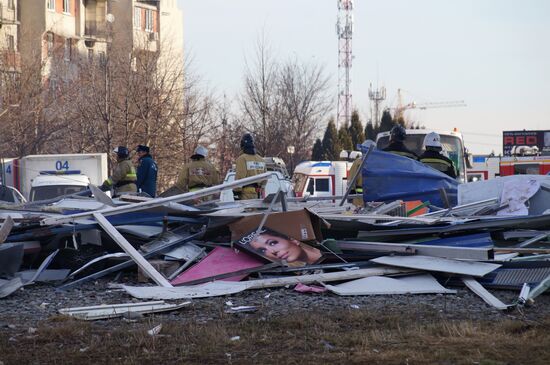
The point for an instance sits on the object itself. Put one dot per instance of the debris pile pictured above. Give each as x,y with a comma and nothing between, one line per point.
181,248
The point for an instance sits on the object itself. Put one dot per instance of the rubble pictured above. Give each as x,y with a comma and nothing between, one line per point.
321,246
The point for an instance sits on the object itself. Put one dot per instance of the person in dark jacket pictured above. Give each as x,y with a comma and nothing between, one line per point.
433,157
146,171
396,146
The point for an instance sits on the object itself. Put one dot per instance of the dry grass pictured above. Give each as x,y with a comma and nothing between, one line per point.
339,336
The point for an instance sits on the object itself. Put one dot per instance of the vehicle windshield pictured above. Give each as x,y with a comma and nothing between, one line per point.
299,182
53,191
452,147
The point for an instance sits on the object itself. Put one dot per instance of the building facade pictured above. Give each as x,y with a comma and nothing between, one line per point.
9,49
65,34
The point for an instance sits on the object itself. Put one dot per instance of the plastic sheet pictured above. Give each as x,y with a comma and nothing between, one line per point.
388,177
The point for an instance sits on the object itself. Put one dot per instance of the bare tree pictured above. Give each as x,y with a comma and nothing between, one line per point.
35,120
304,93
284,104
260,102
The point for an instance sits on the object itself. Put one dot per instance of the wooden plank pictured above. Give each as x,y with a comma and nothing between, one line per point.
131,251
489,298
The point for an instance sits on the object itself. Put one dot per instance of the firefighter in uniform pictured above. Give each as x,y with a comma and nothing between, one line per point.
433,157
124,177
358,188
249,164
396,146
197,174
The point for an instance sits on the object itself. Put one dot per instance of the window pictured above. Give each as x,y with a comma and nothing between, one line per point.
527,169
310,187
322,185
102,59
51,4
137,18
66,6
11,42
49,43
11,4
68,49
53,88
148,20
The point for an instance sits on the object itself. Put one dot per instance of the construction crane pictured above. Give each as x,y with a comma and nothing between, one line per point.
401,108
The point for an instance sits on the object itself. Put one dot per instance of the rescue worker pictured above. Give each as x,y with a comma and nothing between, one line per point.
197,174
123,179
146,171
433,157
396,146
248,164
358,188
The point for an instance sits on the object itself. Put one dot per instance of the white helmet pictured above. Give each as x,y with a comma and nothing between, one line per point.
355,155
201,151
432,140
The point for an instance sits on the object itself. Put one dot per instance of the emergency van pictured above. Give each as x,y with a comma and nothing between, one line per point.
321,178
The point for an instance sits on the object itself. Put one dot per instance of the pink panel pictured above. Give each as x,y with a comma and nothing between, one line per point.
220,260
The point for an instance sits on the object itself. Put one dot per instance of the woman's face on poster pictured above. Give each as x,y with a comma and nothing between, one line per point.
277,248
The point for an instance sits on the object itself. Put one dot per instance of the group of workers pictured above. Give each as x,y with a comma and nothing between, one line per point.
198,174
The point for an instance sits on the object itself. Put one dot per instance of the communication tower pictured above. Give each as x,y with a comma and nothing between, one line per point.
376,96
344,30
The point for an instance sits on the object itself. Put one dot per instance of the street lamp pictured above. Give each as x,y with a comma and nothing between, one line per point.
291,150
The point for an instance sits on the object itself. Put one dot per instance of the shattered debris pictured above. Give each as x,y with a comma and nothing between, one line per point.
304,245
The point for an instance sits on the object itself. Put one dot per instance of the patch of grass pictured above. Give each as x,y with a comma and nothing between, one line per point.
338,336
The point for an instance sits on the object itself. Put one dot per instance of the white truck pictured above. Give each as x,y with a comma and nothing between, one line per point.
321,178
40,177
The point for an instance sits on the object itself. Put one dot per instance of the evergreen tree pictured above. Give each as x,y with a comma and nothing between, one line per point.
356,130
387,123
344,138
331,148
317,152
370,133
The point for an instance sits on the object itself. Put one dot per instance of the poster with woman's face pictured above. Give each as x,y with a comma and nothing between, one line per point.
277,247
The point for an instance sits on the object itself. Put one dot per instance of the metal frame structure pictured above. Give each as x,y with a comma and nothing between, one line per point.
344,30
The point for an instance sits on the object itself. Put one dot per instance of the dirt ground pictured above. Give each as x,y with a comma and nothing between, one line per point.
286,328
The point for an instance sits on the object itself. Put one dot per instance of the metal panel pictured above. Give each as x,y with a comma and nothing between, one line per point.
438,264
377,285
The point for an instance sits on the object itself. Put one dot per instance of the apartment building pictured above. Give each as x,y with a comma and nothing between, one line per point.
9,50
65,34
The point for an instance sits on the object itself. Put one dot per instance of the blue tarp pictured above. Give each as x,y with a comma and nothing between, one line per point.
389,177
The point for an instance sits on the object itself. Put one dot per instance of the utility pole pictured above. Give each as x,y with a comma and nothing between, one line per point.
377,97
344,30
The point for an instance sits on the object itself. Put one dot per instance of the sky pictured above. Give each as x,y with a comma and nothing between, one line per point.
493,54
